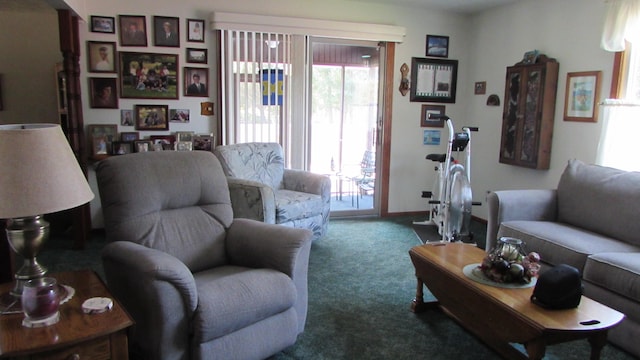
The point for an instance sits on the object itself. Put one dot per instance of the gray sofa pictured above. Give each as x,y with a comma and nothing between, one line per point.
592,222
263,189
198,283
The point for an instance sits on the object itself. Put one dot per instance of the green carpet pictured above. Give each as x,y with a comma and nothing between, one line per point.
361,283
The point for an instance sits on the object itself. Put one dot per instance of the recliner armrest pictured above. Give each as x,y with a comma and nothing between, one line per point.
528,204
154,287
252,200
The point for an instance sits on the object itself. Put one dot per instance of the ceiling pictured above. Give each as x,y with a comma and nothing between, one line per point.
460,6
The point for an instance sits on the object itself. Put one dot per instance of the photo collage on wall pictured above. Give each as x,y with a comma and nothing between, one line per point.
125,70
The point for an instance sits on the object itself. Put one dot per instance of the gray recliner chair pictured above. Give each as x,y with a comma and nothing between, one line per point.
198,283
263,189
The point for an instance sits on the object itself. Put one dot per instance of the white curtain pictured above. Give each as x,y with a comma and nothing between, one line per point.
618,147
621,23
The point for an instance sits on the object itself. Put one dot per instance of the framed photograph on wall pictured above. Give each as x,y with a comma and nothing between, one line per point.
152,117
581,96
148,75
196,81
432,109
104,93
100,138
431,137
437,46
101,56
480,88
198,56
103,24
129,136
204,142
126,117
133,30
433,80
179,115
166,31
195,30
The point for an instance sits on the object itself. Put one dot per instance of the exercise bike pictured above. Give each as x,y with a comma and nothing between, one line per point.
450,201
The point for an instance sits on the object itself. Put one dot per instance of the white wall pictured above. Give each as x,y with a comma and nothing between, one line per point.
567,30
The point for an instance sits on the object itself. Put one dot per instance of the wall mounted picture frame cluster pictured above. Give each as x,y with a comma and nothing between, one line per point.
152,117
148,75
196,81
582,94
433,80
132,30
197,56
166,31
103,24
104,93
101,56
437,46
195,30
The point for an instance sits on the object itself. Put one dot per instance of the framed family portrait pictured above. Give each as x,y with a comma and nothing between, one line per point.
437,46
103,24
433,80
104,93
162,142
148,75
432,109
101,56
133,30
198,56
196,81
204,142
179,115
166,31
195,30
581,96
152,117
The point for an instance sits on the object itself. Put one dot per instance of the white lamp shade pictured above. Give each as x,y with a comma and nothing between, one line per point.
39,174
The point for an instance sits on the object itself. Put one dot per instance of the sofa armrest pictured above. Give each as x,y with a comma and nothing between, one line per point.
254,244
158,291
530,204
252,200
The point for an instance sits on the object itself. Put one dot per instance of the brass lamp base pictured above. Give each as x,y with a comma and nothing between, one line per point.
26,236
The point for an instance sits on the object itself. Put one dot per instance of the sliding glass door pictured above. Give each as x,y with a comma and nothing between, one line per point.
344,121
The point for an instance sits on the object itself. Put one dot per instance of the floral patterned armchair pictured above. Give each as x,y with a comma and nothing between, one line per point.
262,189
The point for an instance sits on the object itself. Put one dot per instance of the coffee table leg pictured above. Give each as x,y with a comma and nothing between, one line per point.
418,305
535,349
597,341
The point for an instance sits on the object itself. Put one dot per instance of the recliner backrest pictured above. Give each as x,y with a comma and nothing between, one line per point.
175,202
261,162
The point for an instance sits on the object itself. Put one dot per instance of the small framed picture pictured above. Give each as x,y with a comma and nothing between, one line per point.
581,96
437,46
184,146
195,30
431,137
198,56
204,142
184,136
121,147
101,56
126,117
195,82
480,88
142,145
103,24
129,136
100,147
152,117
433,80
432,109
103,93
179,115
166,31
162,142
133,30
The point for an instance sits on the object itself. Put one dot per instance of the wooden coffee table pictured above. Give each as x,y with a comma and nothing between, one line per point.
76,335
500,316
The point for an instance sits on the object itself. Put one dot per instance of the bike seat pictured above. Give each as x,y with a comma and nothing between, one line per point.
437,157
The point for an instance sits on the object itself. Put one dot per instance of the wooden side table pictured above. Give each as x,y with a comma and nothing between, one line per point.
77,335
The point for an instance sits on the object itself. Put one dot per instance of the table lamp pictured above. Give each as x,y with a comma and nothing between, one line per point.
39,174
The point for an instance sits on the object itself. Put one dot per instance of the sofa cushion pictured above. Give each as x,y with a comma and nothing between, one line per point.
560,243
616,271
295,205
600,199
227,299
261,162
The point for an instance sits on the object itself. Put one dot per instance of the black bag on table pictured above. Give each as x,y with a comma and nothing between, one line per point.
558,288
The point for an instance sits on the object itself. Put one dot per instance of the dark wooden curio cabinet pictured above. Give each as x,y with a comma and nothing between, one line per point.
529,109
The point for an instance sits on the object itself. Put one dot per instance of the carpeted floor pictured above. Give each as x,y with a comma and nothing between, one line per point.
361,283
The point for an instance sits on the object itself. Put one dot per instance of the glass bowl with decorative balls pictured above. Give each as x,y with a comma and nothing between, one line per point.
508,262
